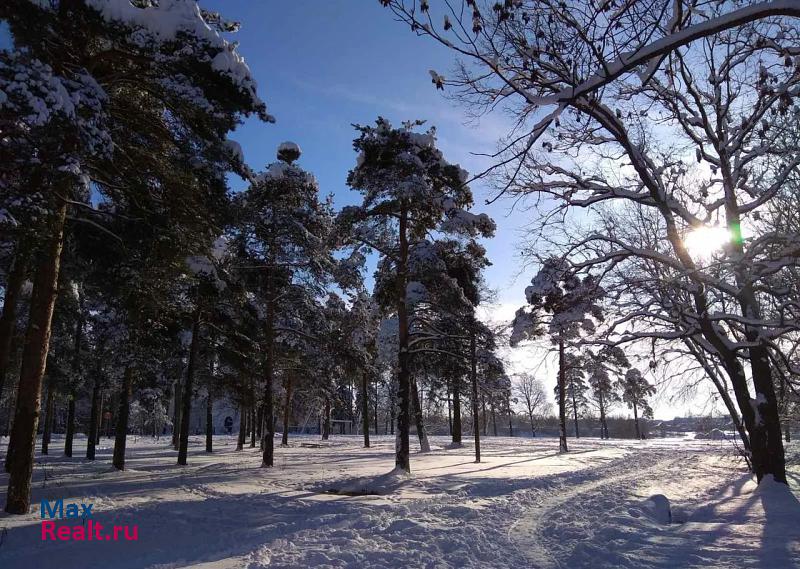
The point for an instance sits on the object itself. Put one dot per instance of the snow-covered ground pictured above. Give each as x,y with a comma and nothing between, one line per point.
332,504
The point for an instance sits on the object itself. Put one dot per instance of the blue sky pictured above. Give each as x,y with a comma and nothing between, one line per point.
322,66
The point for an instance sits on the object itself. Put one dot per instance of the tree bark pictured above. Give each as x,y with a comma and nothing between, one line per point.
476,428
176,415
94,427
455,427
123,414
268,440
575,413
483,409
422,434
34,362
603,425
209,424
636,421
402,443
70,434
365,406
493,411
287,410
242,428
48,419
186,411
253,415
562,411
326,419
8,319
376,406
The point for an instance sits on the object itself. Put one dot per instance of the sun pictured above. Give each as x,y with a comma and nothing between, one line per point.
703,242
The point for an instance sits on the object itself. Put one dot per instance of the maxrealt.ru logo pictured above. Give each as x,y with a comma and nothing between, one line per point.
89,530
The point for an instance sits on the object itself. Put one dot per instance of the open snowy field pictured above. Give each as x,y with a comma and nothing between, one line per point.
523,506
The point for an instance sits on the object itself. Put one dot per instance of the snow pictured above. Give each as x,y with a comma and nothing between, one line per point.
335,504
289,146
167,20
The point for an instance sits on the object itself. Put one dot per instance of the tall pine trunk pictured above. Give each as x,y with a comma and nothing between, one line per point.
209,424
34,362
176,415
183,447
575,413
474,380
365,406
242,428
422,433
402,443
268,439
70,434
252,429
562,404
636,421
76,370
326,419
456,429
8,319
494,417
603,425
287,409
123,414
48,419
94,427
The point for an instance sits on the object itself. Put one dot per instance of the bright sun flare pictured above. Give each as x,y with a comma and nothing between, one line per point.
704,241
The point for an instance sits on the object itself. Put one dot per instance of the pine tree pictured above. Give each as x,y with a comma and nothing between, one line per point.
282,235
572,306
408,190
635,391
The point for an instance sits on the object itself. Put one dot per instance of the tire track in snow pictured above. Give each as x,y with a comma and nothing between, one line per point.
527,533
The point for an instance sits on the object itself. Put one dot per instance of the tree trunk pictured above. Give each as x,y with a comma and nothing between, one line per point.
575,413
421,432
603,425
176,415
326,419
476,428
533,425
94,427
365,406
209,424
242,427
636,421
287,410
268,440
253,414
494,417
402,443
562,407
510,416
48,419
76,370
376,406
34,362
483,409
456,429
123,413
186,411
8,319
70,434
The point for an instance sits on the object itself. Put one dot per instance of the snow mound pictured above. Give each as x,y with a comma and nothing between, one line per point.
657,507
380,485
713,435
